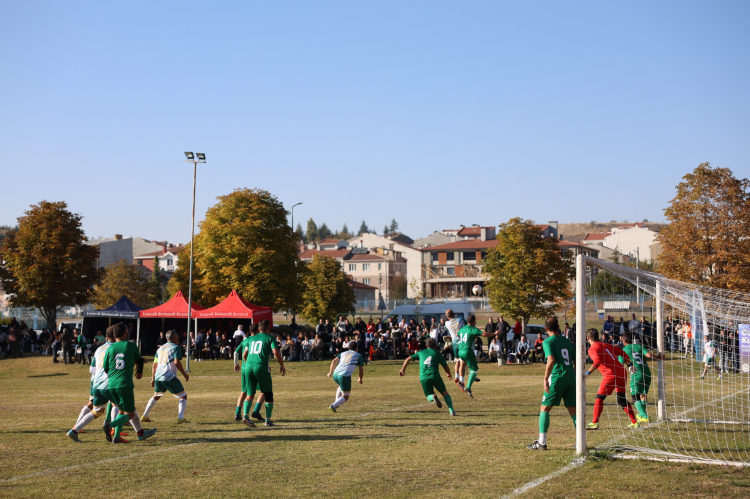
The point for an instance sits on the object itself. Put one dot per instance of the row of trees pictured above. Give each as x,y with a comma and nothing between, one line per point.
317,233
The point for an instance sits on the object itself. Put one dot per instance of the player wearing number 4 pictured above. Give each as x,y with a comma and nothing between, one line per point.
466,351
640,380
559,380
164,377
429,361
348,362
605,357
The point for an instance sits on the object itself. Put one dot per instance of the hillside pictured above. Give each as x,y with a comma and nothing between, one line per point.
575,232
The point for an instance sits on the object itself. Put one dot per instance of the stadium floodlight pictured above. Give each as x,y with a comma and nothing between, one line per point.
201,156
189,156
192,159
293,214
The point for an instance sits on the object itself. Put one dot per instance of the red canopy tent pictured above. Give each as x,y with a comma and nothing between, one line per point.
175,308
236,307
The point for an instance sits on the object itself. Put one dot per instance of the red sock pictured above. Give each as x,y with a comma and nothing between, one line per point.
630,413
598,409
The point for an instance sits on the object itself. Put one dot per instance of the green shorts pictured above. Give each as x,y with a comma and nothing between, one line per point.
639,385
344,382
467,355
432,385
566,393
174,386
123,398
711,361
101,397
257,377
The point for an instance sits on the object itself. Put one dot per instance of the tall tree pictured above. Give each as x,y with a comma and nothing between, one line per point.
312,231
397,287
246,243
47,263
363,228
344,234
707,240
394,226
327,290
299,234
386,230
324,232
122,278
528,273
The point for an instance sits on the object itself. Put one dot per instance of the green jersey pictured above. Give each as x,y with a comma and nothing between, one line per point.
118,364
241,349
637,354
467,335
429,362
562,349
259,348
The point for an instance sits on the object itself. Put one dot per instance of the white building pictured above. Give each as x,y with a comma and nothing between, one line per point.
411,255
113,249
633,240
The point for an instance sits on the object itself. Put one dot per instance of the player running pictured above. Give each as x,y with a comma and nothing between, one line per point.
466,351
257,353
348,362
118,364
454,325
709,357
242,402
164,377
640,380
429,375
605,357
559,379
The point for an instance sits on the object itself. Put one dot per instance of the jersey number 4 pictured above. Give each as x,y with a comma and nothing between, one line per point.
428,361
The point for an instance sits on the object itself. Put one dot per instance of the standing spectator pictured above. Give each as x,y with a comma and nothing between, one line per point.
338,346
517,331
539,350
634,327
82,346
329,331
200,344
212,342
238,336
320,329
478,348
687,332
132,332
294,327
341,328
14,342
66,341
522,351
490,327
607,329
442,328
318,346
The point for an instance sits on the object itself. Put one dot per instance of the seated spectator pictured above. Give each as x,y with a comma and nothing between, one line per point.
100,338
522,351
383,346
412,345
318,346
448,352
225,346
495,350
370,330
338,346
287,348
307,346
478,349
539,350
162,340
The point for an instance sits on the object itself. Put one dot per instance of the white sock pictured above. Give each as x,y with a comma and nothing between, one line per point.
543,437
136,422
115,412
339,393
181,404
84,411
461,379
339,402
149,405
84,421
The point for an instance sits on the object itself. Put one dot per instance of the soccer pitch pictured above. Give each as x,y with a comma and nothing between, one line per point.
386,441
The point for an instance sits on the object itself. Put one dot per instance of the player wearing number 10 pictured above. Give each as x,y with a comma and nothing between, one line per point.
559,380
257,353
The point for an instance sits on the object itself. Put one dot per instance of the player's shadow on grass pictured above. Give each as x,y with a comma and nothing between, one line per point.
48,375
256,436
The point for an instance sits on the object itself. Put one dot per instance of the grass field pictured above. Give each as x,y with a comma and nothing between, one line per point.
386,441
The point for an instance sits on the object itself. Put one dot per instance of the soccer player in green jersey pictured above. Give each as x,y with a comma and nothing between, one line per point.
429,374
118,364
466,350
242,402
347,363
454,325
640,379
164,377
559,379
257,353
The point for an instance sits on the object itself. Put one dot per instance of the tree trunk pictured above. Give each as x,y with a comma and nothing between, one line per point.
50,315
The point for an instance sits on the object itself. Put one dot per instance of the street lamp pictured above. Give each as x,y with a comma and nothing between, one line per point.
192,159
293,215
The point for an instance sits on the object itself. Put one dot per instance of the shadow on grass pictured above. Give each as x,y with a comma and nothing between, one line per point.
256,436
50,375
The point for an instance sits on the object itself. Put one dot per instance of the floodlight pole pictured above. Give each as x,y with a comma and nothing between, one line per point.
580,355
195,162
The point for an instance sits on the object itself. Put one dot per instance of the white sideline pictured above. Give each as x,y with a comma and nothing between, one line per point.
534,483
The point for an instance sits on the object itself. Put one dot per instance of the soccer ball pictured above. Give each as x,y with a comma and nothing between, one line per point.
476,289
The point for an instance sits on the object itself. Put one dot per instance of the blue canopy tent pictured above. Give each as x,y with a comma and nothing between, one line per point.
123,309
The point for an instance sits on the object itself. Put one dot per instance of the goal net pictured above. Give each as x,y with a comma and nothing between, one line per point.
692,416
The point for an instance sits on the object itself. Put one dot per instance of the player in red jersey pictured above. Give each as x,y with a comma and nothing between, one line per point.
614,377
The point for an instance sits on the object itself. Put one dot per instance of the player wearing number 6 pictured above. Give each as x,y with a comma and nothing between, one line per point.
348,363
605,357
429,361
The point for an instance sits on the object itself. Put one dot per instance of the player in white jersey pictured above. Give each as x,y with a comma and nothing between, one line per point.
348,362
709,357
98,400
454,325
164,377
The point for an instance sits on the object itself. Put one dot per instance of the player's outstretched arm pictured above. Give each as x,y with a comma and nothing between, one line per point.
277,354
178,364
333,364
403,368
139,368
548,371
237,359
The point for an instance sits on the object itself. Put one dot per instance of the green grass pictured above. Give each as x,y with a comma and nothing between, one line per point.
386,441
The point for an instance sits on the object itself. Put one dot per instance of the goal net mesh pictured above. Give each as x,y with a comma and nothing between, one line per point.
703,419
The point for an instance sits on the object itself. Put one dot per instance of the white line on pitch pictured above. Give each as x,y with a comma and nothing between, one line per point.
534,483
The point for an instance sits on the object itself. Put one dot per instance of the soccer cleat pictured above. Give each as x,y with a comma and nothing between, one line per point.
107,432
592,426
477,380
641,419
146,419
537,446
257,416
73,436
269,423
248,423
438,403
122,433
451,412
237,417
120,440
181,421
460,385
468,392
703,376
719,376
147,434
634,425
333,409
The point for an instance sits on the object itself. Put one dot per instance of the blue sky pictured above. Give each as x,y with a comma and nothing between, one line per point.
433,113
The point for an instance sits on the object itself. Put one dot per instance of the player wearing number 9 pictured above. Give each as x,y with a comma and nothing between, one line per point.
614,377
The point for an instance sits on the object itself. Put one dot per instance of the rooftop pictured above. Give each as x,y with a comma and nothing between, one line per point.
309,254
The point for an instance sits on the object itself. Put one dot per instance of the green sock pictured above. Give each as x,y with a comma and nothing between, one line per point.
108,418
644,404
472,377
448,401
118,422
575,425
246,407
640,405
543,422
257,407
269,411
431,398
238,411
